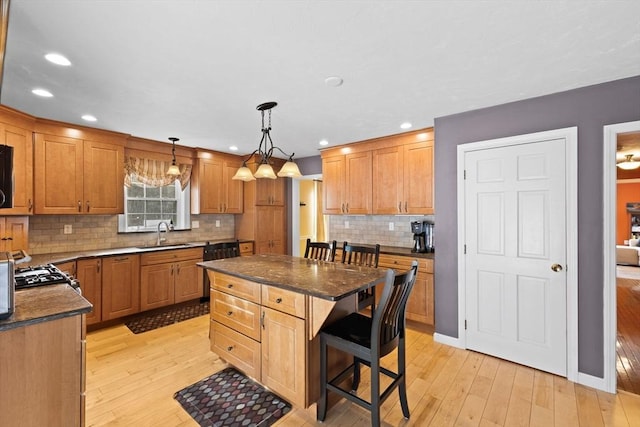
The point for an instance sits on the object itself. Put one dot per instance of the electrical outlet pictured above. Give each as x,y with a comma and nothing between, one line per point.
217,223
68,229
346,224
391,226
195,224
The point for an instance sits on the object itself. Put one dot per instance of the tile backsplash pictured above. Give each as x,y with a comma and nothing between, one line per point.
95,232
374,229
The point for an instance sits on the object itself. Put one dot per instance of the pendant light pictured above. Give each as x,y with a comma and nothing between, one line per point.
629,163
173,170
265,152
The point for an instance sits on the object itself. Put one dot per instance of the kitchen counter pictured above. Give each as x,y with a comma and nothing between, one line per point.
326,280
43,304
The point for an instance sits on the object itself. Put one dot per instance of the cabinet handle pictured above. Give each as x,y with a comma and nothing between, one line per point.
230,348
122,259
172,267
278,300
347,207
262,319
88,206
30,205
229,313
229,285
225,207
98,266
405,206
79,206
178,270
342,208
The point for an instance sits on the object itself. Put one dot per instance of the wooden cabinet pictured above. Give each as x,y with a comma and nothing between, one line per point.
22,143
262,330
89,274
170,276
75,176
265,215
14,233
213,190
420,306
246,248
68,267
388,176
120,286
403,182
346,181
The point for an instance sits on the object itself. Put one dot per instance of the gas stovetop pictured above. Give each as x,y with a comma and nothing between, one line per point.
28,277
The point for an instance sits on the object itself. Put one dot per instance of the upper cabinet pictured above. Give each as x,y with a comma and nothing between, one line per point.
213,190
384,176
78,176
15,131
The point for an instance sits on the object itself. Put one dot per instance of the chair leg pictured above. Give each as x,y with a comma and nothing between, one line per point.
375,392
356,374
402,385
321,409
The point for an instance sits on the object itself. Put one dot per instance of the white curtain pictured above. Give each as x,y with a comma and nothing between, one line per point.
154,172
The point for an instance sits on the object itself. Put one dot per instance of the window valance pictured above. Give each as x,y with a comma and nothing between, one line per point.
154,172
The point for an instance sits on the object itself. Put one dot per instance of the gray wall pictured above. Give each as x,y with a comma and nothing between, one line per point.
589,108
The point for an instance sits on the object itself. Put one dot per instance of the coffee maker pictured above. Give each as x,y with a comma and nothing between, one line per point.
423,241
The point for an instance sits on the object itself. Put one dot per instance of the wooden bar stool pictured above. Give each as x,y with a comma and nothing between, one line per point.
367,256
320,250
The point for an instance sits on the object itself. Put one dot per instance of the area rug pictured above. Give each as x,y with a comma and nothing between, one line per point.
229,398
148,322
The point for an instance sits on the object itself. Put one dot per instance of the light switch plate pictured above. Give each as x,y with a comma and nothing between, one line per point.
195,224
391,226
68,229
217,223
346,224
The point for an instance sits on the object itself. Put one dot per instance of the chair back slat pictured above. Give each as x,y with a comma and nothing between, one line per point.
223,250
389,316
320,250
360,255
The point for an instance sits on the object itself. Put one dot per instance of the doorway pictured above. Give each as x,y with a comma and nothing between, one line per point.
610,294
307,219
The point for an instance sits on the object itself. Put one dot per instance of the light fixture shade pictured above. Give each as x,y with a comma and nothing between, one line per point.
629,163
173,170
265,171
244,174
290,169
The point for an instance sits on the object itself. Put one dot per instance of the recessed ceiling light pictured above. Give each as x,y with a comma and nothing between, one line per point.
57,59
42,92
233,148
333,81
405,125
323,142
89,118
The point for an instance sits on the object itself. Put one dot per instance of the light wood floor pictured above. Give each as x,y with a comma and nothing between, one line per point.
131,380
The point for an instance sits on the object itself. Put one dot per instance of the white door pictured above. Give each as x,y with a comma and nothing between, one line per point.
515,261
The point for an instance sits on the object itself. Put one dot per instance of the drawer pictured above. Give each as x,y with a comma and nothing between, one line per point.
404,263
237,313
246,248
166,256
235,286
240,351
285,301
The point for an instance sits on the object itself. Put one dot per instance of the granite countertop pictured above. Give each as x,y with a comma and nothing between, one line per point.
327,280
43,304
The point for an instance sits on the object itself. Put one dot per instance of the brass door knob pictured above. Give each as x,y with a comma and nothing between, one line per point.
556,267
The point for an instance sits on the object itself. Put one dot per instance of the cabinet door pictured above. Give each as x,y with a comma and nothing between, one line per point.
234,200
188,281
333,185
210,172
284,355
120,286
388,175
418,178
14,233
270,192
58,171
103,178
21,141
156,286
271,234
358,183
89,274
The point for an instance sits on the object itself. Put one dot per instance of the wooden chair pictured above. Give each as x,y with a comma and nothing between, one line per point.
320,250
367,256
369,339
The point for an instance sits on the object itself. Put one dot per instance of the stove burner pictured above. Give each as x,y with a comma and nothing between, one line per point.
28,277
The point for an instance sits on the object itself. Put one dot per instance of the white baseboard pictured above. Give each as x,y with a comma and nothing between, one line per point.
446,339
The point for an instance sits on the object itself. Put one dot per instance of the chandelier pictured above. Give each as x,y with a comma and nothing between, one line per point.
264,153
629,163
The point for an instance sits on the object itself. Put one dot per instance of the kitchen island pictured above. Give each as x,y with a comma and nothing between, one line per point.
266,311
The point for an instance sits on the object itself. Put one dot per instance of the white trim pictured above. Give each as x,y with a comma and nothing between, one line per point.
571,137
447,340
295,211
591,381
609,196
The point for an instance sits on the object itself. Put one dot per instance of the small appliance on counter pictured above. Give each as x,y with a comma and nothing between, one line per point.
423,236
7,285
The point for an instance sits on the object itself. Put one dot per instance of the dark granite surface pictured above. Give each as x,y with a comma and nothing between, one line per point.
43,304
326,280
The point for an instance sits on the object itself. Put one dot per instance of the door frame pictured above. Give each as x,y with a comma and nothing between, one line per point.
609,194
294,208
571,174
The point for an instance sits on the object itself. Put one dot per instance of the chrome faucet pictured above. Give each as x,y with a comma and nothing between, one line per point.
168,228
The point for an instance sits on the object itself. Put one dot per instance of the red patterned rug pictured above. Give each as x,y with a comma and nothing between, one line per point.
229,398
150,321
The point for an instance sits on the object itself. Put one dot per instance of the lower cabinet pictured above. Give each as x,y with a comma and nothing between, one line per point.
169,277
120,286
262,330
420,304
89,274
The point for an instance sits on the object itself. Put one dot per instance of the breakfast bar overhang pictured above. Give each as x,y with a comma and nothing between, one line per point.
266,311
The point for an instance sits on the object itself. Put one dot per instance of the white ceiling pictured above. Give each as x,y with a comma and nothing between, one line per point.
198,69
